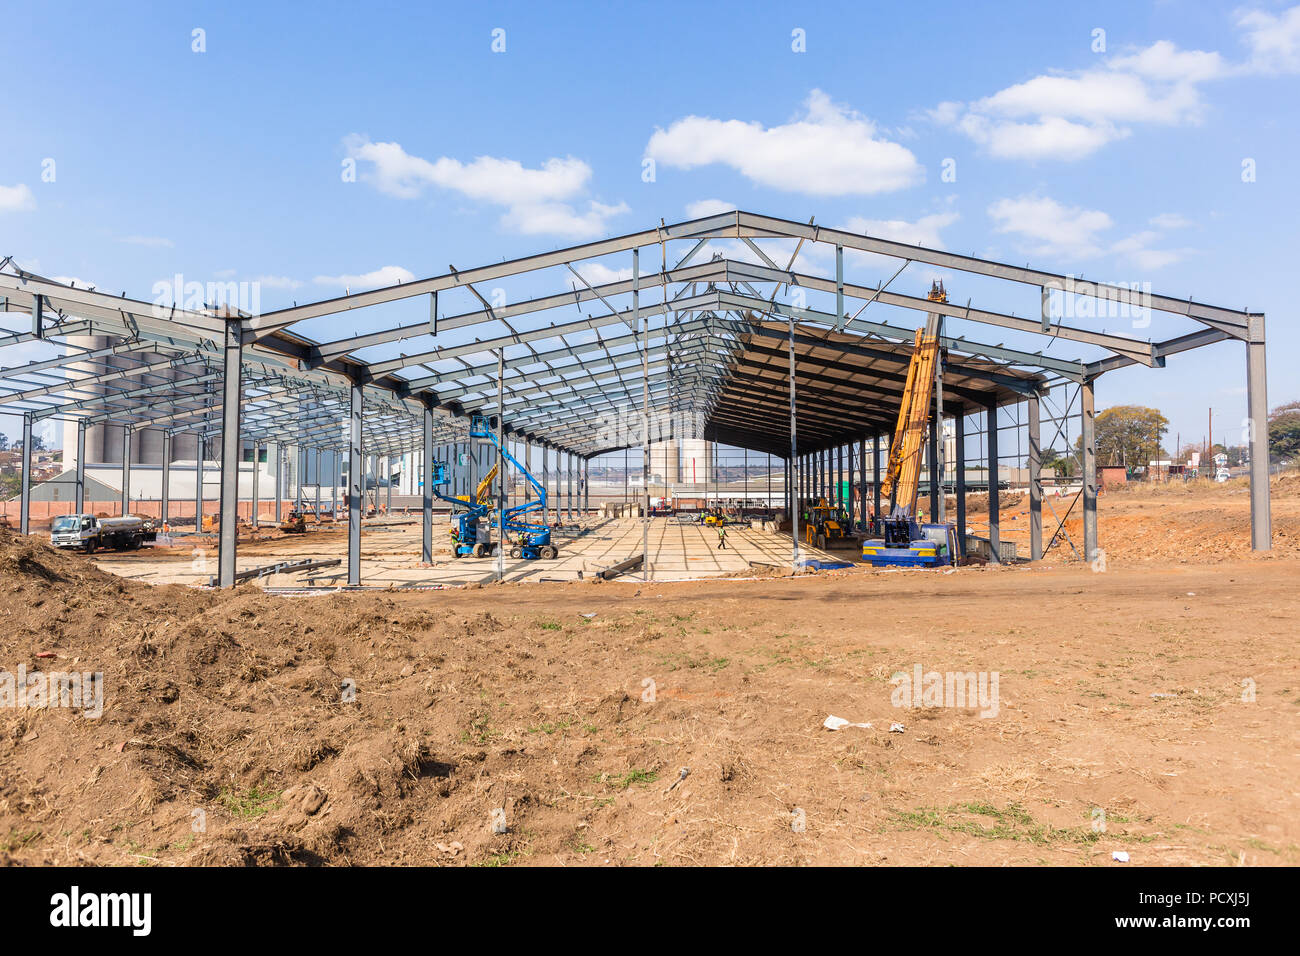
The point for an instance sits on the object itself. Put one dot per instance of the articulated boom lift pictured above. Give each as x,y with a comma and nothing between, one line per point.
471,534
908,542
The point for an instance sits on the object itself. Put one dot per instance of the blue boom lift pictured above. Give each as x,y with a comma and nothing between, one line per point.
471,535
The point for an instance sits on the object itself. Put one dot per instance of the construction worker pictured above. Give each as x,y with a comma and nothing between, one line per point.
722,537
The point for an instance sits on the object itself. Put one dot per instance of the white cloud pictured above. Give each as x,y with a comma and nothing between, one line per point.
703,208
74,280
286,282
597,273
1137,248
536,200
16,198
1274,40
830,150
155,242
1163,61
924,232
1050,137
1048,228
561,219
1170,220
388,275
1070,115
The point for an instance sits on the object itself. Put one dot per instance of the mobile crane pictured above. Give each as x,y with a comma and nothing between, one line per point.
908,542
471,534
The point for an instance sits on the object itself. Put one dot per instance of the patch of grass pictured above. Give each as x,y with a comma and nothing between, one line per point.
253,802
479,731
623,781
551,727
1013,822
16,839
550,625
500,859
674,662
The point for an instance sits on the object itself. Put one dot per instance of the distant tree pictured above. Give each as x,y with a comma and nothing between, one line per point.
1284,432
38,443
4,442
1061,463
1129,435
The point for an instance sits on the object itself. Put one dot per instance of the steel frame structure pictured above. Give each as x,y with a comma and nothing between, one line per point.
724,346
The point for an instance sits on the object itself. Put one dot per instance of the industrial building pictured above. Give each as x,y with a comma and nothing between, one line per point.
736,329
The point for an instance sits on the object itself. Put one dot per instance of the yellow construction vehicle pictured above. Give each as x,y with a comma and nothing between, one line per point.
714,516
294,523
825,524
906,541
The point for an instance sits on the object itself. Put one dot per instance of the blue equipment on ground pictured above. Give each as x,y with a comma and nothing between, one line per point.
471,535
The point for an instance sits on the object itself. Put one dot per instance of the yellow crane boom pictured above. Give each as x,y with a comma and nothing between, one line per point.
902,480
483,494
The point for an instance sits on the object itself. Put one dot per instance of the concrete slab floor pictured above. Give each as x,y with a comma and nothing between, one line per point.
390,556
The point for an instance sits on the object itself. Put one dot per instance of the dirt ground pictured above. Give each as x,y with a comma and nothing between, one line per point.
1151,708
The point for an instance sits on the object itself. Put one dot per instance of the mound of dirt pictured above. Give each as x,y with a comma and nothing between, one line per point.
651,723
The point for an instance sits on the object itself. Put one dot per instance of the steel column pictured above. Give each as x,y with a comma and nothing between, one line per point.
1261,521
959,445
25,502
279,476
166,475
1089,442
81,468
501,465
875,471
1035,480
126,469
257,475
231,395
426,496
200,446
995,503
794,445
355,480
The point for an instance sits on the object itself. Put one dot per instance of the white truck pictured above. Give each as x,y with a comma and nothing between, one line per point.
88,533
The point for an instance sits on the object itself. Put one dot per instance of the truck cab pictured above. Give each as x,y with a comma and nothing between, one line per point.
74,531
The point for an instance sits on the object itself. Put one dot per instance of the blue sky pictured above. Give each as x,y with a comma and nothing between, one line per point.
1125,164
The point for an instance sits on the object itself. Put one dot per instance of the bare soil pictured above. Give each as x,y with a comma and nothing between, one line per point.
1153,708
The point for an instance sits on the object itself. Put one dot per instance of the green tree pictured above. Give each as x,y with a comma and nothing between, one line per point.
1284,432
1129,435
1061,463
